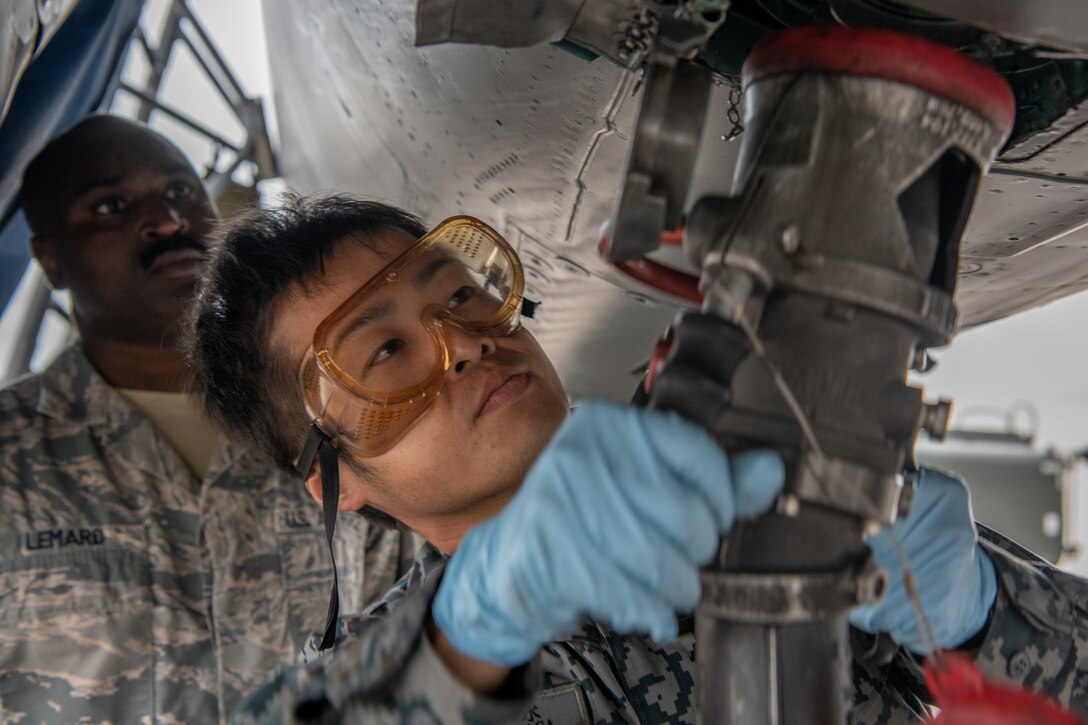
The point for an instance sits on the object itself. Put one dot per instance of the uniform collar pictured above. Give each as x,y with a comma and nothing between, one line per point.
72,390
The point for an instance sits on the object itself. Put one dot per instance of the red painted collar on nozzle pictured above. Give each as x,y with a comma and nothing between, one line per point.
883,54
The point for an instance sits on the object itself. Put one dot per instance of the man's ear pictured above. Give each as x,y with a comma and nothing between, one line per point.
45,251
351,498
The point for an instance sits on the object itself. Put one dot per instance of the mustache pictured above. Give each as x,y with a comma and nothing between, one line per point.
169,244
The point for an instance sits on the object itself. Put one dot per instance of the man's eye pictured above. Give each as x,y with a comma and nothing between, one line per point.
109,207
386,351
179,190
461,296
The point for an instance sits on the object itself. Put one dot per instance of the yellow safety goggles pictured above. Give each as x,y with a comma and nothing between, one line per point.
378,362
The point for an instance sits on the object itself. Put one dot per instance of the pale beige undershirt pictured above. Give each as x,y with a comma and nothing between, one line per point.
179,418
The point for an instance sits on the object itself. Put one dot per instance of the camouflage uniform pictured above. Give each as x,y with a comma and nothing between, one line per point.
384,669
132,592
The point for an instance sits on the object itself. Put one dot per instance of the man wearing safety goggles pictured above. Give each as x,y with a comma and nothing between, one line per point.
390,365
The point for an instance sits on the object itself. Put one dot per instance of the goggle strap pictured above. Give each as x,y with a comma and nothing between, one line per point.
330,499
319,444
528,307
309,450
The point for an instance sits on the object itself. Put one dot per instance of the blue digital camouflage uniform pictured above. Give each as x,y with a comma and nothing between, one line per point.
132,592
384,670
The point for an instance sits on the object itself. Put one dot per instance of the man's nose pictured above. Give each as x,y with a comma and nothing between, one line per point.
160,218
466,349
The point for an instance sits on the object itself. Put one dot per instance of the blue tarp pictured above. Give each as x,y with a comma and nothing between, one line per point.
64,83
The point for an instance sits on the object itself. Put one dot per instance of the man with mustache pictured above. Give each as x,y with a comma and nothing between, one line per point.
149,571
391,364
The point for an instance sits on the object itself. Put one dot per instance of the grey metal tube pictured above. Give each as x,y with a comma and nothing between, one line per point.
772,675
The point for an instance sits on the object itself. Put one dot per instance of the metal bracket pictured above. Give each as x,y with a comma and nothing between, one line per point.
789,598
847,486
665,140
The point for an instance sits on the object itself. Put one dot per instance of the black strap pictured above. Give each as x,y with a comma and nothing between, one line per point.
309,450
319,444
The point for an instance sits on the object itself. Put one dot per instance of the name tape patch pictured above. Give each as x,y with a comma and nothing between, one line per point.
63,538
298,518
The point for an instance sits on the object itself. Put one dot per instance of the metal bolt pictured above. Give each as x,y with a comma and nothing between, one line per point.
789,239
788,505
935,418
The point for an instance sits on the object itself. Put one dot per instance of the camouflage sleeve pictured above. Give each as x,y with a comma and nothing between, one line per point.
1037,638
385,670
1038,633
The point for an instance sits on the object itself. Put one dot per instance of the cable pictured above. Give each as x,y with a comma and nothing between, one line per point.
930,642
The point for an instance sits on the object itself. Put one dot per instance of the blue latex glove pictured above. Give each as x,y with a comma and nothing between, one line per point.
954,577
612,522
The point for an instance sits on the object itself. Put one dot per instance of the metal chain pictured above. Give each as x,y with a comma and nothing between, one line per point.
733,112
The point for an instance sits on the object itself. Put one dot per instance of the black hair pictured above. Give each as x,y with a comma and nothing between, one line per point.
247,386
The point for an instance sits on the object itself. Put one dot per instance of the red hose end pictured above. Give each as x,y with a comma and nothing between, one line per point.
868,52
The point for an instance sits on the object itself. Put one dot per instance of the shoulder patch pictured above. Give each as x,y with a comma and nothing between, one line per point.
559,705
